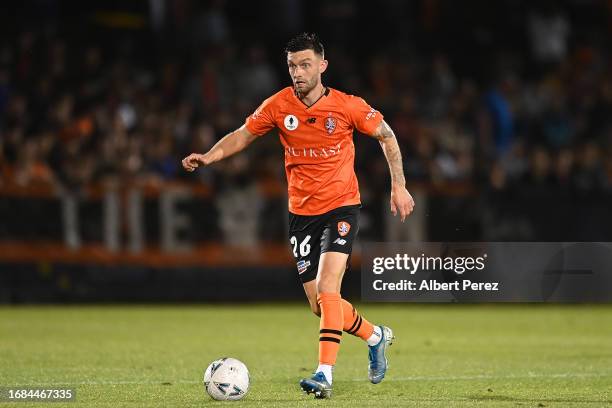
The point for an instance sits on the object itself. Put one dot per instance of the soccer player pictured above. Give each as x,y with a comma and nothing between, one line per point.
316,124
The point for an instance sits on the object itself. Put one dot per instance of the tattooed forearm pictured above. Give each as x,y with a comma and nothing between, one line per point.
388,142
394,158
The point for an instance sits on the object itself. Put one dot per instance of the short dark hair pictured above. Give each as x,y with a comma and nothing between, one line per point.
306,41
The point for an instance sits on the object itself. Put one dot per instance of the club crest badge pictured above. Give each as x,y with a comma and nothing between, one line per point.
291,122
330,125
343,228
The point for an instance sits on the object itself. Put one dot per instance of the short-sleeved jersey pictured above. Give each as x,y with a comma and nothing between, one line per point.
318,142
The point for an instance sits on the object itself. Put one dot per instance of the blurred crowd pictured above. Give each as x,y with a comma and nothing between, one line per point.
501,98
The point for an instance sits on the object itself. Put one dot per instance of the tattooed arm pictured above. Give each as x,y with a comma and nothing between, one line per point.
401,200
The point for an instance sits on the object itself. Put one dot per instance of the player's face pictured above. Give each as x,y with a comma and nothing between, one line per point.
305,68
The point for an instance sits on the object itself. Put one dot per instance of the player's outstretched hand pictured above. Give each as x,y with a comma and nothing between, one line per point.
194,160
401,201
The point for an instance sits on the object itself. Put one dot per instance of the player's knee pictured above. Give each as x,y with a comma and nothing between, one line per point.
327,285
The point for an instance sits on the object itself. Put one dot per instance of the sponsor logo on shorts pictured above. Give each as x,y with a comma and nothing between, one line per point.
343,228
302,266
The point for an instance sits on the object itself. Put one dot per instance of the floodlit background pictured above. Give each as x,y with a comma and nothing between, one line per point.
502,110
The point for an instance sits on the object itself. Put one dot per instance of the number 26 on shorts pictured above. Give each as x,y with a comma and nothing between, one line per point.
304,246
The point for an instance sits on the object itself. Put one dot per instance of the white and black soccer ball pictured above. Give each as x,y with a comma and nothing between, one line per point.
227,379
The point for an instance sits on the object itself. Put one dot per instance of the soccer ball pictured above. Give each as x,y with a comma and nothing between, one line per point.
227,379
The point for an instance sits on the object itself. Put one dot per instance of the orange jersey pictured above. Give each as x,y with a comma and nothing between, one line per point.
318,142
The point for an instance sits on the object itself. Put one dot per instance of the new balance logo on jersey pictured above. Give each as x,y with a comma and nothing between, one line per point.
340,241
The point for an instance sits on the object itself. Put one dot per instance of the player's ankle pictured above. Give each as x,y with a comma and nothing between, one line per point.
326,369
374,339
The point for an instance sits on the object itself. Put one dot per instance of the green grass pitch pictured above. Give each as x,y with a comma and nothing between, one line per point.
444,355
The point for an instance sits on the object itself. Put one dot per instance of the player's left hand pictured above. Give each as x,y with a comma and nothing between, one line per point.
401,201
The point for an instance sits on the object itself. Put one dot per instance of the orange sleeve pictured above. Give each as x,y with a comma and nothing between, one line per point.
262,120
364,117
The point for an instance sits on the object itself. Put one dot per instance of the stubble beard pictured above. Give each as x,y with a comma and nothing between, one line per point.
305,91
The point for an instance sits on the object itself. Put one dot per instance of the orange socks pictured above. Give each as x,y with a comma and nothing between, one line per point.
336,315
331,326
355,324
